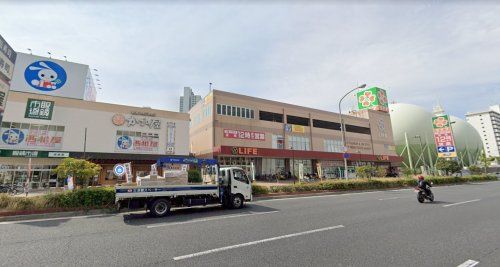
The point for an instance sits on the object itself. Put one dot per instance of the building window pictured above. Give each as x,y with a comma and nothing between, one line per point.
333,145
278,141
326,125
270,116
273,166
299,142
357,129
297,120
235,111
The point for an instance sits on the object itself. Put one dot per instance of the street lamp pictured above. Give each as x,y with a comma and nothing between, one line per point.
342,126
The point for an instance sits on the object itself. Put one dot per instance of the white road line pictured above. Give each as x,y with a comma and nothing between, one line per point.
469,263
390,198
319,196
211,219
469,201
255,242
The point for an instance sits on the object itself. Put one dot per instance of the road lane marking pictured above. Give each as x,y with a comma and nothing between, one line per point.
469,263
255,242
211,219
459,203
389,198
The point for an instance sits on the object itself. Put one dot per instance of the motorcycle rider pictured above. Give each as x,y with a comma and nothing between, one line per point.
423,184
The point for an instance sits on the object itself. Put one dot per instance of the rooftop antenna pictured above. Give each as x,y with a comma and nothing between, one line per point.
29,49
50,54
65,58
210,87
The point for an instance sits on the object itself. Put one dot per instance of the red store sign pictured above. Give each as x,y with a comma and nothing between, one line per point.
443,137
248,135
245,151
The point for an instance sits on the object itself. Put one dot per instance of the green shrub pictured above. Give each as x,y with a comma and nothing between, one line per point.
194,176
97,197
259,189
374,183
474,169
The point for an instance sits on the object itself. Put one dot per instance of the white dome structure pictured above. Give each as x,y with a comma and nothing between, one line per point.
414,139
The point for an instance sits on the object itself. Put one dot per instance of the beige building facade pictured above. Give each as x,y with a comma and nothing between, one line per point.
44,129
277,138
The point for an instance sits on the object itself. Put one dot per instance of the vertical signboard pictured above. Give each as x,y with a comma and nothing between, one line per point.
373,98
443,137
7,60
170,138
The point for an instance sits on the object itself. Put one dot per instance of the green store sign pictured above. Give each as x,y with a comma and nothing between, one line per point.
39,109
33,154
373,98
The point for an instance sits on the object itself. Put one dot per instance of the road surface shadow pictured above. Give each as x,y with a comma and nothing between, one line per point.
190,214
54,222
437,202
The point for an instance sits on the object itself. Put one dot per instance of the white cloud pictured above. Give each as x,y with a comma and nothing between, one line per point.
307,54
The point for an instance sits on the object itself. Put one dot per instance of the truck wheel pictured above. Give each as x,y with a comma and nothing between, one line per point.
237,202
160,207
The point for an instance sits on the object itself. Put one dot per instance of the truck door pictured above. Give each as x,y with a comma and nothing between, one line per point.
241,184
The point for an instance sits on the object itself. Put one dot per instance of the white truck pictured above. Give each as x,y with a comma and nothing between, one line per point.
230,187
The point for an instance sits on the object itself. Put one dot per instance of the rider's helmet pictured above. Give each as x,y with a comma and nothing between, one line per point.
420,177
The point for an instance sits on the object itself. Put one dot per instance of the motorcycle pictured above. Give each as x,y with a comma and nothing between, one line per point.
422,195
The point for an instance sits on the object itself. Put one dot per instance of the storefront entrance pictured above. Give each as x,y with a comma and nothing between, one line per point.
41,176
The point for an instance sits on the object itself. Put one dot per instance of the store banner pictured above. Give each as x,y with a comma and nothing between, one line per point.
32,136
242,134
298,128
140,142
128,171
443,137
39,109
71,184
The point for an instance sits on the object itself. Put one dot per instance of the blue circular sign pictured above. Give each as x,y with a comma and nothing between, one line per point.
119,170
124,142
45,75
12,136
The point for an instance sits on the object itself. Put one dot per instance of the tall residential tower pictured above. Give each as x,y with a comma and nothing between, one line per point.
487,123
187,101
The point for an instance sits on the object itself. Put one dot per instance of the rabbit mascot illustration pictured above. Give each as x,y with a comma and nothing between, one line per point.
47,76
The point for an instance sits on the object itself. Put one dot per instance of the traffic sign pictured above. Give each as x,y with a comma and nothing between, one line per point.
119,170
346,155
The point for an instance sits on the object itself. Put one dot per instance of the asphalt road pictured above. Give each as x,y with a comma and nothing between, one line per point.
383,228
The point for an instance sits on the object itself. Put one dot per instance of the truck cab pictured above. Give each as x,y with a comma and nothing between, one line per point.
237,184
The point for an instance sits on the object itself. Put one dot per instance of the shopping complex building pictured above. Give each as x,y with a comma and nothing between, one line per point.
51,114
271,137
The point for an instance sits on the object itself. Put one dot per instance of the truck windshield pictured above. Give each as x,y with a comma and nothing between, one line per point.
239,175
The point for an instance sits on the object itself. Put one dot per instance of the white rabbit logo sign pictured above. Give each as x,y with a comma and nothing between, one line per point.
45,75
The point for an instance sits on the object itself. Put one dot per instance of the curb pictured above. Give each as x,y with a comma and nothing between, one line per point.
63,214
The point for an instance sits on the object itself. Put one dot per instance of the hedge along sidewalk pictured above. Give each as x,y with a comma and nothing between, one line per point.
362,184
81,200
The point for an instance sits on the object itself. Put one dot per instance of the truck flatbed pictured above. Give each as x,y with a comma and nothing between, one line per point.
132,191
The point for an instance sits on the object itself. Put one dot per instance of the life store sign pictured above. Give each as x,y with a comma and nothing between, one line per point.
39,109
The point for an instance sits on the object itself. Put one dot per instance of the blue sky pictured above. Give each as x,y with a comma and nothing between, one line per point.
301,52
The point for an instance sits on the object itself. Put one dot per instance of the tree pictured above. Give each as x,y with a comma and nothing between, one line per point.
381,171
448,166
485,161
80,169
